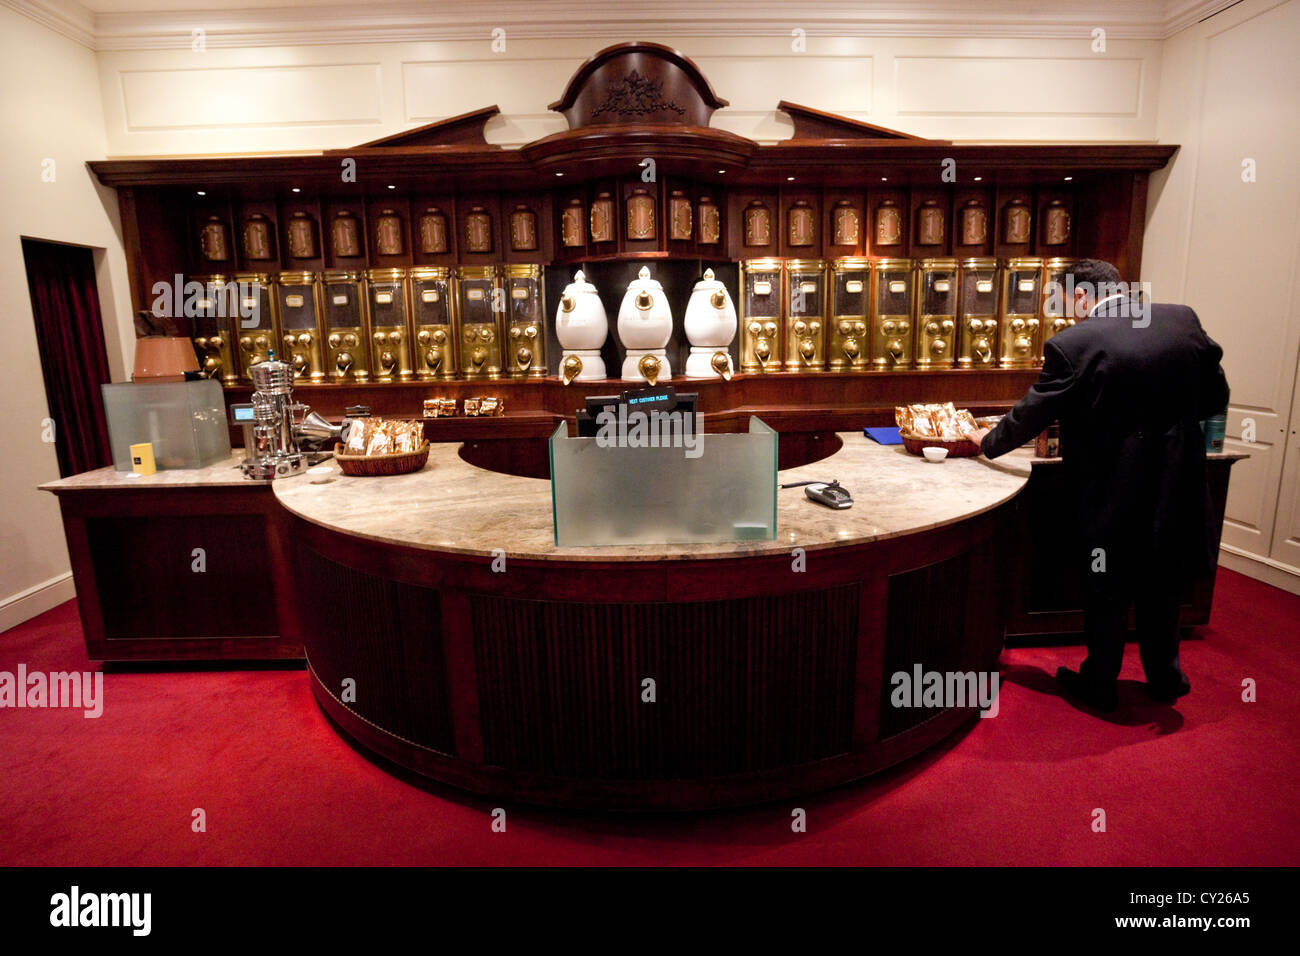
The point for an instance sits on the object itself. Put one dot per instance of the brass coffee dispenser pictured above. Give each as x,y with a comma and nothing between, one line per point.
936,313
298,296
435,340
1018,318
389,338
850,312
255,322
805,315
211,328
347,356
476,313
1058,310
891,316
760,315
525,321
977,308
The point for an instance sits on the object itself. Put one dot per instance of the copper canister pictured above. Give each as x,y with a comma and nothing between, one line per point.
801,225
523,229
479,310
298,297
681,223
214,243
255,321
1016,223
891,314
301,231
974,223
760,315
478,230
347,354
212,325
345,235
1058,307
433,232
1018,319
929,224
710,222
640,216
571,224
850,299
259,240
805,315
525,321
388,233
602,218
977,313
390,338
844,224
936,313
758,224
889,224
431,314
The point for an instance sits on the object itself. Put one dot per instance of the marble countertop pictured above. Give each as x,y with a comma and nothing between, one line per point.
453,506
221,474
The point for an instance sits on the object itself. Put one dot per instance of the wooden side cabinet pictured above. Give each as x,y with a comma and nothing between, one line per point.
180,573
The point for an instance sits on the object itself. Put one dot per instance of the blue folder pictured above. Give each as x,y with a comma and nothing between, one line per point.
884,436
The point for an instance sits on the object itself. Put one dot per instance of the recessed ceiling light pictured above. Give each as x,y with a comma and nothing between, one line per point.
789,179
202,193
978,178
392,187
721,172
297,190
884,179
1068,178
559,174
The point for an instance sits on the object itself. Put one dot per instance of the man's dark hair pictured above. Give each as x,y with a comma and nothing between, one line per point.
1098,273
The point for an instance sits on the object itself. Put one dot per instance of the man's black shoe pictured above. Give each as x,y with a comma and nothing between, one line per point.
1076,685
1166,693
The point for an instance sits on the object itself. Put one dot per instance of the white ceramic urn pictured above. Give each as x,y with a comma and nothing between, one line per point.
645,324
581,327
710,327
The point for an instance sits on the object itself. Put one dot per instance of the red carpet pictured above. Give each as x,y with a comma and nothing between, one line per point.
1210,782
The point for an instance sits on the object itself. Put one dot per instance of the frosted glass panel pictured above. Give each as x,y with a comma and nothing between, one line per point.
185,421
666,495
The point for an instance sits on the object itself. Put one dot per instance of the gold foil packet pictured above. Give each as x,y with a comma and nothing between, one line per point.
472,405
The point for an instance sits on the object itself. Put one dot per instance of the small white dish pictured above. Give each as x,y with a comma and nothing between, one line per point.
934,454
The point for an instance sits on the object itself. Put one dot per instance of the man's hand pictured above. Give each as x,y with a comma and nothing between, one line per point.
977,435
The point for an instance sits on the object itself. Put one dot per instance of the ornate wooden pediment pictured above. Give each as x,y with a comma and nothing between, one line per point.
646,84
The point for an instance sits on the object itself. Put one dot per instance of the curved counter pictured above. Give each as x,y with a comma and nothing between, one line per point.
676,677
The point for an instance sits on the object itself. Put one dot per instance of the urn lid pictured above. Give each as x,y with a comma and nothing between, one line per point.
643,282
579,285
709,283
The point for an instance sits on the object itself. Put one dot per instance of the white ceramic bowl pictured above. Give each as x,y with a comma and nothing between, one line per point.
934,454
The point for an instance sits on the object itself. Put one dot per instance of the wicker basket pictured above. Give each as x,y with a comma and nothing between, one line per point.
956,449
396,463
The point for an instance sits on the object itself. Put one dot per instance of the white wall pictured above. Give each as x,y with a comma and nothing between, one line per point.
1229,91
314,97
52,109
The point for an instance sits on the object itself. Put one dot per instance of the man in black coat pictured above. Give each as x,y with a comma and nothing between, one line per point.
1129,386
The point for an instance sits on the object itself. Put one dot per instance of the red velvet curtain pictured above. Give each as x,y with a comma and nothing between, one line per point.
70,334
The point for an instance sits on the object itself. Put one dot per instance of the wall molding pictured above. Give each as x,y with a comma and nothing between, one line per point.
37,599
382,21
1260,568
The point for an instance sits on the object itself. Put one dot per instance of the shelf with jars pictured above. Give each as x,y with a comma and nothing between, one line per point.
847,250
